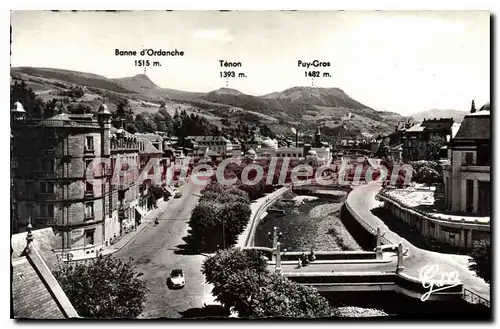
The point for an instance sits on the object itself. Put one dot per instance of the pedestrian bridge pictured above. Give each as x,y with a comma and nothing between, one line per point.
354,271
380,281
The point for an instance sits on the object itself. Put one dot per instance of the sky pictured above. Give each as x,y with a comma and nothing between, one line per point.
404,62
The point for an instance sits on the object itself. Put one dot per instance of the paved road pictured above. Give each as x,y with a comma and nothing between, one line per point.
153,253
361,199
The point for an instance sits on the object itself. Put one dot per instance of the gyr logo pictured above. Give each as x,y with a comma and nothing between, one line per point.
432,280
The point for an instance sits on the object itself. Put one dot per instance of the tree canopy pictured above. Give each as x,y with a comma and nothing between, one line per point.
219,217
481,259
243,283
103,288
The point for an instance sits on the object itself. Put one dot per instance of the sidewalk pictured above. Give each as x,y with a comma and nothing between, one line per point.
146,221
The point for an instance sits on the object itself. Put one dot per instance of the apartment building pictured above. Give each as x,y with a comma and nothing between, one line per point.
467,176
51,187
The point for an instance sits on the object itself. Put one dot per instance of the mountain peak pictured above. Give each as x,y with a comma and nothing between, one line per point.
227,91
141,81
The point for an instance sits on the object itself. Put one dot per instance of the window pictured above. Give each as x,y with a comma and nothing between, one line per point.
90,143
89,237
469,195
48,165
469,158
46,187
88,187
47,210
89,210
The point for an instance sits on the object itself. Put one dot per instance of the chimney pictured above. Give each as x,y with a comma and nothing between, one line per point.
473,107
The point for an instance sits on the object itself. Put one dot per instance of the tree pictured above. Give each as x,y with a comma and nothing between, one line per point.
79,108
220,216
145,123
433,148
103,288
427,172
33,105
131,128
243,283
481,259
122,105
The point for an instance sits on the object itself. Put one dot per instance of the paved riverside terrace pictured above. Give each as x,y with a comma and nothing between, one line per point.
361,201
316,267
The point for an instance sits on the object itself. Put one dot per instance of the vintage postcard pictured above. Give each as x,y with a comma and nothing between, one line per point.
250,165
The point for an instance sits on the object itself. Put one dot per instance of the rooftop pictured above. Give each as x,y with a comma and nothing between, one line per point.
415,128
208,138
475,126
150,136
36,294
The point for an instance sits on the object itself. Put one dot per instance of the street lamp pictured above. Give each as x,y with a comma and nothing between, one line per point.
275,234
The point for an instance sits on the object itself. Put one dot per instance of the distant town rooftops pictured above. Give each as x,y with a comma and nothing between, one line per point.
150,136
415,128
208,138
147,146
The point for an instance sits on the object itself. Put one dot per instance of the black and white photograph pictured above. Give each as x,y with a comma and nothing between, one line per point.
236,165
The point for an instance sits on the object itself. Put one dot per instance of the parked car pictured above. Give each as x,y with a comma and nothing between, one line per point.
388,248
177,195
176,279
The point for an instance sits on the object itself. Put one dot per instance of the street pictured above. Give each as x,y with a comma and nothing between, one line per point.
362,200
155,252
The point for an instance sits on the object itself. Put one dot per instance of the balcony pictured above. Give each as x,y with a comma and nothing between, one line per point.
44,221
123,187
471,168
88,194
48,152
46,196
88,217
88,151
45,174
122,213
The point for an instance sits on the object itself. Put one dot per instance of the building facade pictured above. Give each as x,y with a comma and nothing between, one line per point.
217,146
124,188
51,185
424,140
467,176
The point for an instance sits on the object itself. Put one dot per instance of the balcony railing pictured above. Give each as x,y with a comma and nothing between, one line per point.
473,298
87,150
473,168
45,174
88,194
122,213
46,196
88,217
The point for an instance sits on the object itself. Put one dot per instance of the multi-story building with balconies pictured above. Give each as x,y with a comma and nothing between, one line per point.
51,185
124,188
467,176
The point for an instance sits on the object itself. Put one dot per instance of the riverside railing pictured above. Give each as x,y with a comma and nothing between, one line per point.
366,226
474,298
383,194
255,219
